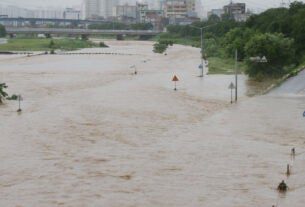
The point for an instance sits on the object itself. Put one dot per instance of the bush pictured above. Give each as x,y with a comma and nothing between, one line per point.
13,98
166,42
102,44
162,45
160,48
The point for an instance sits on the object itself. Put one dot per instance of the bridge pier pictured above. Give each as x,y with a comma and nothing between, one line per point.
84,37
120,37
48,36
145,37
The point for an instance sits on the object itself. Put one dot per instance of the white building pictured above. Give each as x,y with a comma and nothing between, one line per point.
92,9
71,13
127,11
182,8
217,12
107,7
16,12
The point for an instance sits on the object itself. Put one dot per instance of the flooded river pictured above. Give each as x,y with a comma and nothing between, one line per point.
93,134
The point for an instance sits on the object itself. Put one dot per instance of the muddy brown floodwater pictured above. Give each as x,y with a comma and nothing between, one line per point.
92,134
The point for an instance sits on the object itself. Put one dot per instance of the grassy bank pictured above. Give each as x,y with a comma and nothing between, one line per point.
217,64
37,44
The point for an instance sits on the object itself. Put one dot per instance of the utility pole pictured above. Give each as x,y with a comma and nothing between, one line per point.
202,53
236,75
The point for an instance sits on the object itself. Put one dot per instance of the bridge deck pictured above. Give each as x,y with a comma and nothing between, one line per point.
60,31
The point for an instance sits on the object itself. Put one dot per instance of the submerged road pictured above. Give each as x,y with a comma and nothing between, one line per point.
294,85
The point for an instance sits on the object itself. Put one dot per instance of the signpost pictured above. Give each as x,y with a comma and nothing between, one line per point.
19,100
175,80
135,69
232,87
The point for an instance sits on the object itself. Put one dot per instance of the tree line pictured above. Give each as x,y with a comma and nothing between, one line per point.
121,26
278,34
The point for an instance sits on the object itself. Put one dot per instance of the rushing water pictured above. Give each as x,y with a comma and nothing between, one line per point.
93,134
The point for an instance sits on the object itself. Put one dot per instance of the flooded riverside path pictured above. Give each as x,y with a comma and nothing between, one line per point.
93,134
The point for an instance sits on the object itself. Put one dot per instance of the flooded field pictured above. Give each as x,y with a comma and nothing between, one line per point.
93,134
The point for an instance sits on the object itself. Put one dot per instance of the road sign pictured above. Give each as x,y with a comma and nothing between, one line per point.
175,79
232,86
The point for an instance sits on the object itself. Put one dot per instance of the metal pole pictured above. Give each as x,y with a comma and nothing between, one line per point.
236,75
202,72
231,95
19,100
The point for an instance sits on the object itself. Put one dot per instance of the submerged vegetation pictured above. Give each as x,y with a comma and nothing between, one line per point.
162,45
3,94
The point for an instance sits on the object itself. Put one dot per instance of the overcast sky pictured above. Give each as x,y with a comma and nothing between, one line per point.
208,4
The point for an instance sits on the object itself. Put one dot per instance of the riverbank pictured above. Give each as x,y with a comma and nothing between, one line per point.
43,44
220,64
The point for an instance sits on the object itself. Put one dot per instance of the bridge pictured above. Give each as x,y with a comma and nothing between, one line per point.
20,21
77,32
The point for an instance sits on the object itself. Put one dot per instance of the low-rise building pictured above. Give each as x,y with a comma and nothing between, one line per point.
217,12
70,13
237,11
125,11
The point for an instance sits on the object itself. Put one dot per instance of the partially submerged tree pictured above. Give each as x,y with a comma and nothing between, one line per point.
2,31
3,94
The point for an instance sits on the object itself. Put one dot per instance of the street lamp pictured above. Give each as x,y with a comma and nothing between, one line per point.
201,40
202,47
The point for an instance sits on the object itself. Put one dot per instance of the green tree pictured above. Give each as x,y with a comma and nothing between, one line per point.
2,31
214,18
278,50
237,39
52,44
298,30
211,47
142,26
272,21
3,94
